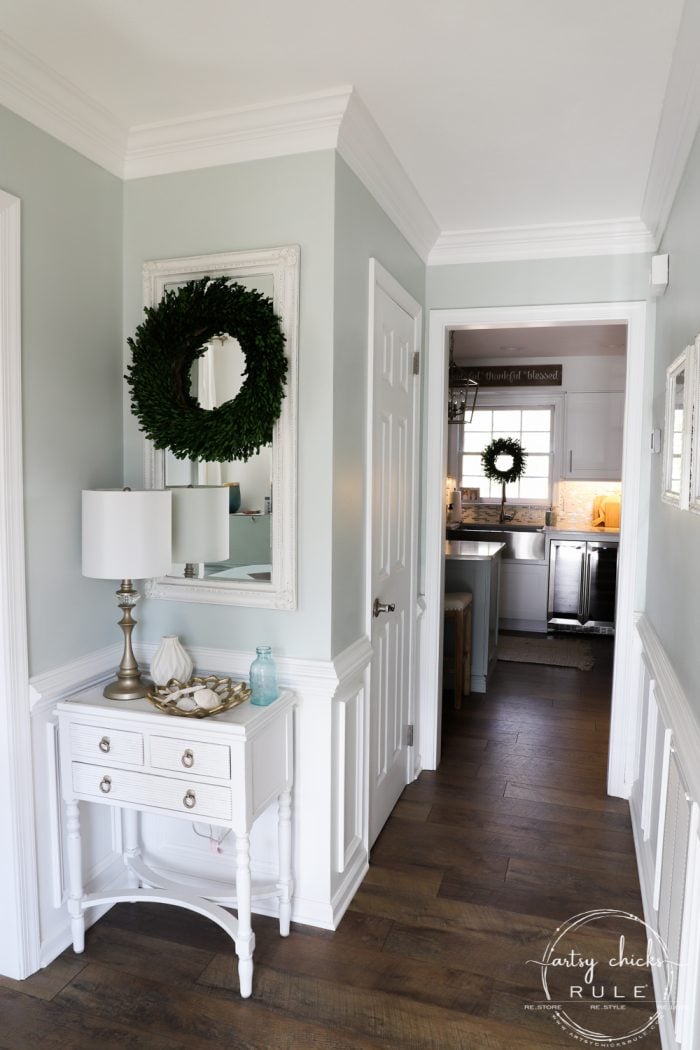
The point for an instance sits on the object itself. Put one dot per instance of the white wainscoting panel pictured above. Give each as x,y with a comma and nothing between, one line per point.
664,805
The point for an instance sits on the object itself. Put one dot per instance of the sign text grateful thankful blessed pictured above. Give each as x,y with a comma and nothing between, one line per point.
516,375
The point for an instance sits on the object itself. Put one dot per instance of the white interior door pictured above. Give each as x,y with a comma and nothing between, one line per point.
395,333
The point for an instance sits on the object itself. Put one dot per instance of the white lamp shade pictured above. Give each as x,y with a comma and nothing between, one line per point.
200,523
126,535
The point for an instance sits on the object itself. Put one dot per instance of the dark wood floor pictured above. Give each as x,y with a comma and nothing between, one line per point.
477,865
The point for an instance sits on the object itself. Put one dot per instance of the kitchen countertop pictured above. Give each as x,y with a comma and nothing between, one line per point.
581,530
471,550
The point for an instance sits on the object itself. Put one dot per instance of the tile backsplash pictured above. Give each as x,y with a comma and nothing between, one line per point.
573,504
574,501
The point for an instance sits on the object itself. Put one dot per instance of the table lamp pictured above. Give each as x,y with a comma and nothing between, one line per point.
200,525
126,536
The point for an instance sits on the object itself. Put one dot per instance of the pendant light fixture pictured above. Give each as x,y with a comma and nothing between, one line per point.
461,390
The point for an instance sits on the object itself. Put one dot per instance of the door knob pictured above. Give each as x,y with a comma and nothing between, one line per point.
380,607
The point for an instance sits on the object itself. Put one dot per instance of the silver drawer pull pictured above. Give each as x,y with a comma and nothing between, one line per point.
190,800
188,759
104,745
106,785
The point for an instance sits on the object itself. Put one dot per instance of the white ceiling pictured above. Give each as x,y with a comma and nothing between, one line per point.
502,113
555,340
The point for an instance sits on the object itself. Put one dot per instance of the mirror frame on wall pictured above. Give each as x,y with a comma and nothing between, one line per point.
683,363
280,592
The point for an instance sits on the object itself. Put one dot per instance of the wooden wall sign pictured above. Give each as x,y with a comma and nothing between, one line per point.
515,375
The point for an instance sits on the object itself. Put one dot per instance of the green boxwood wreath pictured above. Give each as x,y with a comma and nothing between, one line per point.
500,447
170,340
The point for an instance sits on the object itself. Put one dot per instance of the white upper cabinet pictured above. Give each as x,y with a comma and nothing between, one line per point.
593,436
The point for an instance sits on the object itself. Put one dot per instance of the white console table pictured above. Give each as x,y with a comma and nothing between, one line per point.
223,770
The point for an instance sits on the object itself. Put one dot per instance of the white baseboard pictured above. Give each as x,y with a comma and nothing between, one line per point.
352,879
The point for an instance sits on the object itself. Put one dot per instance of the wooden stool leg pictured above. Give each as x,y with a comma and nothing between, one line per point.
467,651
459,662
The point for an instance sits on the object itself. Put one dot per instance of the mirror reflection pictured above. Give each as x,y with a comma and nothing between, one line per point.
217,377
677,432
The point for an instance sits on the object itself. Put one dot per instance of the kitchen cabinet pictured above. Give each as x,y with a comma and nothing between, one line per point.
593,436
476,567
523,601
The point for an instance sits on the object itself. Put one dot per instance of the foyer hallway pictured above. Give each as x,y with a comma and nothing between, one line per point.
476,867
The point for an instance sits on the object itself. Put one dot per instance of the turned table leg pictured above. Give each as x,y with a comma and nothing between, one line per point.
285,861
245,939
75,877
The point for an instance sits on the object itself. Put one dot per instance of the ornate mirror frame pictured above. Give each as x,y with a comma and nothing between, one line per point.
282,264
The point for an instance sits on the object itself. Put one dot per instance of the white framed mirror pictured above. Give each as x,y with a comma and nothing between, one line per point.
694,436
678,430
260,570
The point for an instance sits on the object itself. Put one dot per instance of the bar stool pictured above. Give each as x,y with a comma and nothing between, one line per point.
458,611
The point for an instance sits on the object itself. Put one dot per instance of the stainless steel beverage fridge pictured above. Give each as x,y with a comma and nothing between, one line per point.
582,585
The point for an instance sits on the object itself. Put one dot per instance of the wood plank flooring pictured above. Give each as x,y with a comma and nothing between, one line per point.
475,868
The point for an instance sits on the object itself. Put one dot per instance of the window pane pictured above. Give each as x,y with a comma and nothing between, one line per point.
506,421
536,442
537,467
482,419
471,465
534,488
475,440
536,419
474,481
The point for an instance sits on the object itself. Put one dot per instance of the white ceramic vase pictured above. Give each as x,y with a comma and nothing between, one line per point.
171,661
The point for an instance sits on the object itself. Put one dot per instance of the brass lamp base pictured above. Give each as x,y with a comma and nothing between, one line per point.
133,688
128,685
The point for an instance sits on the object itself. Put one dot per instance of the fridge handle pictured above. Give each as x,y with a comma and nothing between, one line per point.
582,586
587,587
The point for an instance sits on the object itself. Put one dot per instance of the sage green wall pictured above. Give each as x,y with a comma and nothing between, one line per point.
283,200
673,577
533,282
71,230
362,231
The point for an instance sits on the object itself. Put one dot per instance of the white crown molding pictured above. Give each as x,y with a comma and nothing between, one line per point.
556,241
678,125
42,96
296,125
364,148
328,120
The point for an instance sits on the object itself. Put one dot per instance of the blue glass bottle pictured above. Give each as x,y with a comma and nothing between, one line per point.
263,677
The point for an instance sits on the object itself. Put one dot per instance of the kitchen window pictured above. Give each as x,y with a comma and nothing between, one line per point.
533,427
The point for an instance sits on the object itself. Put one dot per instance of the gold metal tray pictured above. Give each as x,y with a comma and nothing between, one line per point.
231,693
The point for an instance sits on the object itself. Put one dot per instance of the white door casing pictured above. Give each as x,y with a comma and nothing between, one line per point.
19,909
392,461
639,317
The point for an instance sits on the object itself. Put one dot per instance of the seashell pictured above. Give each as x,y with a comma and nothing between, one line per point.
207,698
187,703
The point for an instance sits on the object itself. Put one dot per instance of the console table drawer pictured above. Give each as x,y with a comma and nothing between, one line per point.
146,791
203,759
111,745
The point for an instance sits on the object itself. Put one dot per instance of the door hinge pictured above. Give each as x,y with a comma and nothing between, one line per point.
409,736
416,362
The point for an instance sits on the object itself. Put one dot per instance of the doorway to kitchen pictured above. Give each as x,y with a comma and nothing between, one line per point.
634,479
